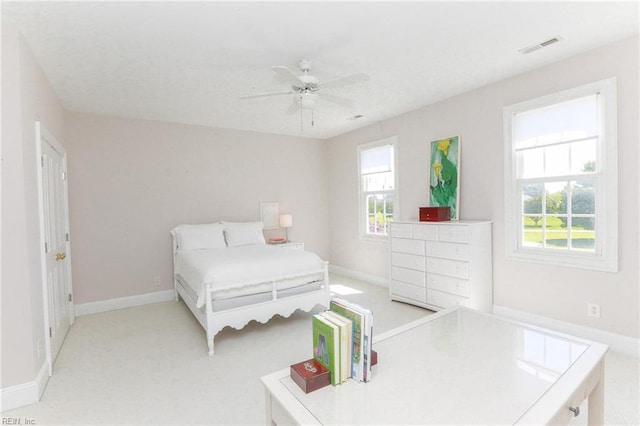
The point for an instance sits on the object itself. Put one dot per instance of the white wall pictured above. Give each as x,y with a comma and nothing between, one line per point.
26,97
555,292
132,181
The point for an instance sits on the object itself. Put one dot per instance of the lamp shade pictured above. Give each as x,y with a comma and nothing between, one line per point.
286,221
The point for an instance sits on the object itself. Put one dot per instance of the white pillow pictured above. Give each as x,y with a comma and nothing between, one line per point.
205,236
243,233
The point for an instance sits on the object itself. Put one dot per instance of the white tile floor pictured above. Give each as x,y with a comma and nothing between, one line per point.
149,365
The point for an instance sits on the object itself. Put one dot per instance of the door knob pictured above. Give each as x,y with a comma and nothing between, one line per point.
60,256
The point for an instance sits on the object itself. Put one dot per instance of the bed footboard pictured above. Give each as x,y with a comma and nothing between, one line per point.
214,321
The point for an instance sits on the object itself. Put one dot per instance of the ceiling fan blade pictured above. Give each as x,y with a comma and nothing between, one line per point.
337,99
263,95
293,108
345,81
288,75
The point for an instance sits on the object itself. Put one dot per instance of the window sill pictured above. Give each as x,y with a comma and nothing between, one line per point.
375,239
589,262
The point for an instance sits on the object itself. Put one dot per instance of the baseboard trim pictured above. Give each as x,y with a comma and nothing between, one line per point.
123,302
43,378
616,342
350,273
26,393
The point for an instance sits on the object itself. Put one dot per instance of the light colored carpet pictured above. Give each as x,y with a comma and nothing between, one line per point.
149,365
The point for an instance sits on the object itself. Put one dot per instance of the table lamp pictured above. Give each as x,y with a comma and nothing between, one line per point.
286,222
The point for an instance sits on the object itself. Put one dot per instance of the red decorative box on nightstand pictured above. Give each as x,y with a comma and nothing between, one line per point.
435,214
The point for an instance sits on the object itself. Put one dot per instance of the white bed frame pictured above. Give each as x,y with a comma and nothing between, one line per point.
237,317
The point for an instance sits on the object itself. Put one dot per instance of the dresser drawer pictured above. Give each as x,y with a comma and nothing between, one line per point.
402,230
410,261
408,276
425,232
448,284
403,245
445,300
455,251
409,291
454,234
451,268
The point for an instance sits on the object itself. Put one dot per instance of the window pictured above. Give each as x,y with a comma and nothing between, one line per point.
561,178
378,183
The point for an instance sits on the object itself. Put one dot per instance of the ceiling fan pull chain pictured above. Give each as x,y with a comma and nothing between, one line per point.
312,118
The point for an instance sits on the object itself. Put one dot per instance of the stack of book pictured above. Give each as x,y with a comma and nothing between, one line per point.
342,338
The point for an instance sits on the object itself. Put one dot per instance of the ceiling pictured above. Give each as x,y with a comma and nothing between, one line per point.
189,62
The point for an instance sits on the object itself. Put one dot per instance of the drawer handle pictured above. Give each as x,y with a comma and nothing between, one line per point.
576,411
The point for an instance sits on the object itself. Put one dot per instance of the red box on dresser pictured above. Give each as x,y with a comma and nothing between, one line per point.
435,214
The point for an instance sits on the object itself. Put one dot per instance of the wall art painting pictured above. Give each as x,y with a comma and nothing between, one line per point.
444,176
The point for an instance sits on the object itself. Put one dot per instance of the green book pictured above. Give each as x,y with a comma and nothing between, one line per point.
326,345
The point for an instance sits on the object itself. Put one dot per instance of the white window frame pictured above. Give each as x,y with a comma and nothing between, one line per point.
605,257
362,204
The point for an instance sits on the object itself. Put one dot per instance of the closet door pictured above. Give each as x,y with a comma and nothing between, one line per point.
56,241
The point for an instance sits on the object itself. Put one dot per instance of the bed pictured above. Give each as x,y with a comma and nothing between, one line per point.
227,276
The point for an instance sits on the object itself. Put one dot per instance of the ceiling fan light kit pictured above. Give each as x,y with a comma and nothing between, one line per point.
306,100
307,89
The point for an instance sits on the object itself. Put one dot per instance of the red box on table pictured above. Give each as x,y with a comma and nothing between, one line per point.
310,375
435,214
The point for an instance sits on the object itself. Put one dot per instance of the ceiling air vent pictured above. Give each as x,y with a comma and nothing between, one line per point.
540,45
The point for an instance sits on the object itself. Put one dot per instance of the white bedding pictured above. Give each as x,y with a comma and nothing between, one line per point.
237,270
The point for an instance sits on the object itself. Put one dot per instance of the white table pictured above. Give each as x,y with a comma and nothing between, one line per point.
458,366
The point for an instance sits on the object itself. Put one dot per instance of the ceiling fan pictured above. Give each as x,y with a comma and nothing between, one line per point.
306,88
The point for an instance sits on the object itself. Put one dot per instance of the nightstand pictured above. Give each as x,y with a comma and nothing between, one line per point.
291,245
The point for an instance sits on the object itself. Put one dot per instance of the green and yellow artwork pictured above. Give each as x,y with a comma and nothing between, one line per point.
445,174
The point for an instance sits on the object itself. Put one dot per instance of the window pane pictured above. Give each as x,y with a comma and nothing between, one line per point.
532,233
531,163
583,197
379,207
583,234
583,156
555,198
377,182
372,201
556,160
556,232
532,198
388,199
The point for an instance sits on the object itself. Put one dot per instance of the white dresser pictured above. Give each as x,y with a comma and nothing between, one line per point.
441,264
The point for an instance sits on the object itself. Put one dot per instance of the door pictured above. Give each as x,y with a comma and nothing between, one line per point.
55,230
